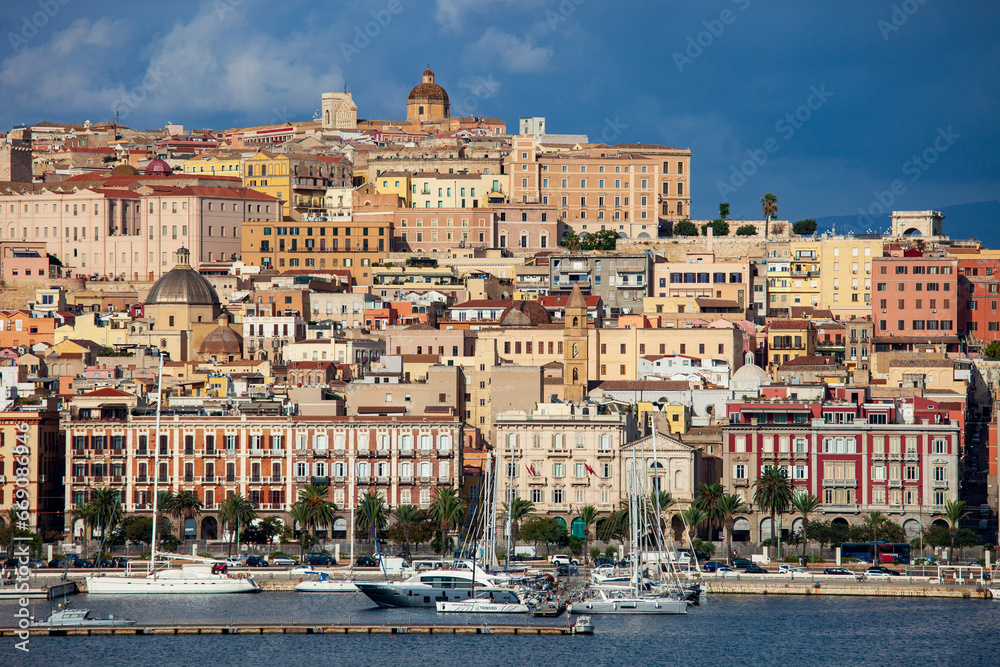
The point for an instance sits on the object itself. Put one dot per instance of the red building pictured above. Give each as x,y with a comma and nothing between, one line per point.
979,296
916,300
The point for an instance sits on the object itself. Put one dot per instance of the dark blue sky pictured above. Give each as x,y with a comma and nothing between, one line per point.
733,80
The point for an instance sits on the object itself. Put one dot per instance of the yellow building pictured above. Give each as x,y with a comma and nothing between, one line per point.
675,415
109,330
434,190
790,339
395,183
217,162
792,282
299,180
846,274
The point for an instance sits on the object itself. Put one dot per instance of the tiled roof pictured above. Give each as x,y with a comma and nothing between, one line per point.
790,324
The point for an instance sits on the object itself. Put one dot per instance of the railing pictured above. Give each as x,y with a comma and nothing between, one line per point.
841,483
444,479
560,452
406,480
444,453
321,453
581,481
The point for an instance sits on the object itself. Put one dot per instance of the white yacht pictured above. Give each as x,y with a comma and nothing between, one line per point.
628,604
326,584
197,578
489,601
460,582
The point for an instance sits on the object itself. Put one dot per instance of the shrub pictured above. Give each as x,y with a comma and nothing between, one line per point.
685,228
805,227
595,552
790,559
746,230
816,558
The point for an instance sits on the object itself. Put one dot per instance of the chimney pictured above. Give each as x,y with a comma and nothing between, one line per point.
709,247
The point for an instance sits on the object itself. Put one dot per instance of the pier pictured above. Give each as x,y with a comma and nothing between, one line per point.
258,629
50,592
870,589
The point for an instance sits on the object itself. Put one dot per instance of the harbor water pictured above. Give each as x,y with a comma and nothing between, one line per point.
724,630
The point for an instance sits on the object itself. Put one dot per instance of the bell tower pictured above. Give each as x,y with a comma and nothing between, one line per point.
575,334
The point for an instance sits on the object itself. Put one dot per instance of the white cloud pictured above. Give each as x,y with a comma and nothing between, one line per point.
508,51
453,13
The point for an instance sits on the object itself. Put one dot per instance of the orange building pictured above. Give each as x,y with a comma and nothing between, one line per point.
18,327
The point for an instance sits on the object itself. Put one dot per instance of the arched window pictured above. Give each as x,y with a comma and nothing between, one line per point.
576,375
511,441
576,321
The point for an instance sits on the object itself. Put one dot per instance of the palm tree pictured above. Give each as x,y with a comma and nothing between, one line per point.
86,513
299,514
664,501
234,511
407,517
517,512
185,506
588,515
772,493
805,504
371,515
709,497
873,520
769,203
693,517
320,510
447,509
108,513
955,512
729,506
165,501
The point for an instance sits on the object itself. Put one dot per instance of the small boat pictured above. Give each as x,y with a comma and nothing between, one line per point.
549,609
492,601
631,604
582,626
66,617
326,584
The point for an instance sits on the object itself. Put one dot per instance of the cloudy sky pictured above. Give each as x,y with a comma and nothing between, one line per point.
833,106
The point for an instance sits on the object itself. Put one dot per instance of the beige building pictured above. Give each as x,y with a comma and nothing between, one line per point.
33,435
700,275
562,457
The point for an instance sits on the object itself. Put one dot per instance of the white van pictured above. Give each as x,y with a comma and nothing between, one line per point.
760,559
394,565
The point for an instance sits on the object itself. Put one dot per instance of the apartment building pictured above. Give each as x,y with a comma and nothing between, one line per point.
31,433
916,300
701,275
978,296
622,281
298,180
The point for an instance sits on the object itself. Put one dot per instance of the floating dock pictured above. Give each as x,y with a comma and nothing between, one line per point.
51,592
870,589
256,629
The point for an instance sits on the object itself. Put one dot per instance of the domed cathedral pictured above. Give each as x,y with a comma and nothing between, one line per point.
428,101
223,344
181,309
575,339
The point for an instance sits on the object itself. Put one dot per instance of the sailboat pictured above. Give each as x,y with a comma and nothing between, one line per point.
149,577
633,600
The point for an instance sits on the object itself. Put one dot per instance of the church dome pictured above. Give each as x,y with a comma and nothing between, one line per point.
428,91
183,285
124,170
158,168
223,341
524,314
749,376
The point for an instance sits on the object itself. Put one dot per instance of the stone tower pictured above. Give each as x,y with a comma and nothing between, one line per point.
427,101
15,156
339,111
575,334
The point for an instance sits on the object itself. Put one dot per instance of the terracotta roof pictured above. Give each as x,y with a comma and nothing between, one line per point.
227,193
482,303
107,392
643,385
922,363
706,302
790,324
811,361
557,301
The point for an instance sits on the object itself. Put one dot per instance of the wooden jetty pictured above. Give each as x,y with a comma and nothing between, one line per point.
258,629
50,592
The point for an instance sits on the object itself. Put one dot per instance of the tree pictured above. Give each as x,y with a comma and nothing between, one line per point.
805,227
709,498
730,505
719,228
805,504
408,519
516,513
545,530
588,515
138,529
955,512
164,507
693,517
873,521
235,511
447,509
992,351
108,512
660,502
724,211
746,230
371,515
772,493
571,241
299,514
685,228
263,532
319,509
769,204
88,515
185,506
605,239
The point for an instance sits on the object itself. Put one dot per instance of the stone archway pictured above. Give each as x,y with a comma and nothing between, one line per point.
741,530
766,528
209,528
840,521
940,523
912,528
677,528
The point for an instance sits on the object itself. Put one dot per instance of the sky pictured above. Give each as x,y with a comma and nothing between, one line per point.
838,108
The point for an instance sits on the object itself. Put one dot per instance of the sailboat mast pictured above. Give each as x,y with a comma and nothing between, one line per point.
350,499
156,463
509,532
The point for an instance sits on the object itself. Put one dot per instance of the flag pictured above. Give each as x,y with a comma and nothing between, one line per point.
531,469
589,469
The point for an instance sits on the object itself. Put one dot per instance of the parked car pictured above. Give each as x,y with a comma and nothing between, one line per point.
604,562
36,564
741,563
81,563
840,571
234,561
101,562
60,563
712,566
256,561
303,569
790,569
699,554
879,572
283,561
563,559
366,561
562,571
318,559
753,568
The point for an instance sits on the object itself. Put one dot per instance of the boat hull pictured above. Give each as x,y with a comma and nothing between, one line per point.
995,592
168,585
481,607
630,606
326,587
405,595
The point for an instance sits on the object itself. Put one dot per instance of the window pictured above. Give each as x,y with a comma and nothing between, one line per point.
740,471
558,470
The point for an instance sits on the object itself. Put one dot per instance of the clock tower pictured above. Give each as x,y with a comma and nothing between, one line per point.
575,334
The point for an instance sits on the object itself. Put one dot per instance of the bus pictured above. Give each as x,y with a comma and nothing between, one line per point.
888,552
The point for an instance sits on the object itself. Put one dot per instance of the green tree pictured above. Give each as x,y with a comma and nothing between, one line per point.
571,241
769,204
108,511
320,510
873,521
709,499
545,530
746,230
605,239
185,506
805,227
992,351
516,513
773,493
408,518
234,512
724,211
138,529
447,509
805,504
955,512
165,501
371,515
299,515
88,515
730,505
693,517
588,516
719,228
685,228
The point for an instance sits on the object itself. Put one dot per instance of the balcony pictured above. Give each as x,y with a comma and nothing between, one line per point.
560,452
382,453
339,451
878,456
141,479
406,480
321,453
605,453
741,481
257,452
363,479
444,479
406,453
581,481
841,483
142,452
444,453
939,484
425,480
895,483
211,452
209,479
118,453
256,479
912,456
383,481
